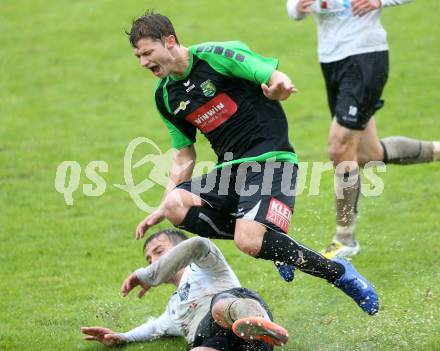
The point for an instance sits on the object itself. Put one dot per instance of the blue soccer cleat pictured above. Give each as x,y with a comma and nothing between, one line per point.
287,271
357,287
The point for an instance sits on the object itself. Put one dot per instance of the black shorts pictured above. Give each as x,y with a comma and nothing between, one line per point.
354,87
210,334
258,191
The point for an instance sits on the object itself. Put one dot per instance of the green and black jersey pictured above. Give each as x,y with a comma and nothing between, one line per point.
220,95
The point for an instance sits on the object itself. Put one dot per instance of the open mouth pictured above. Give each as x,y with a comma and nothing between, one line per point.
155,69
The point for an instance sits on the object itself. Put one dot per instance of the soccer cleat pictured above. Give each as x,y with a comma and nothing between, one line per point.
287,271
338,250
357,287
258,328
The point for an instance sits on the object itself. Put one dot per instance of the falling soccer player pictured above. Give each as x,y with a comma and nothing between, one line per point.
231,95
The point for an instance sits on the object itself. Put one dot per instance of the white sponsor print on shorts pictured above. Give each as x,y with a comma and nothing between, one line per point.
352,110
279,214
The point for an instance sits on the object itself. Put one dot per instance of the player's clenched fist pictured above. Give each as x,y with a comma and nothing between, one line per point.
279,87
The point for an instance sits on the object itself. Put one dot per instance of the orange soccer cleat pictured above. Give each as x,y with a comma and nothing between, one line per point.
258,328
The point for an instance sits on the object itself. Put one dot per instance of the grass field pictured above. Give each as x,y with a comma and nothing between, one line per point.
72,90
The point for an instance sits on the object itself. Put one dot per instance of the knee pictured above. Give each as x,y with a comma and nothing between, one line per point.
332,152
175,208
248,242
217,312
338,151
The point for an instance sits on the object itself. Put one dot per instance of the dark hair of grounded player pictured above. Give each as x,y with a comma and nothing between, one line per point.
175,236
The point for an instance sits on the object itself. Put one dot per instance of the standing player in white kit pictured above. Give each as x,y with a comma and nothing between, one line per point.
353,52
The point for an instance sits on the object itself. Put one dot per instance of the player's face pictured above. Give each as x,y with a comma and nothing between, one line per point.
157,247
155,55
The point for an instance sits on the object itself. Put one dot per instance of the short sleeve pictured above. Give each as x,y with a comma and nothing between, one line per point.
235,59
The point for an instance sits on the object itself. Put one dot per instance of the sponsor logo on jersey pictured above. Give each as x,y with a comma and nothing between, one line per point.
189,86
334,5
279,214
213,114
182,106
208,88
339,8
184,292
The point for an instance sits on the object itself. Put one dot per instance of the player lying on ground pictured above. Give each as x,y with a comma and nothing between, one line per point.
232,96
209,309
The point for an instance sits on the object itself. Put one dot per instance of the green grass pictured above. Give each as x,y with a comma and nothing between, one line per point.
72,90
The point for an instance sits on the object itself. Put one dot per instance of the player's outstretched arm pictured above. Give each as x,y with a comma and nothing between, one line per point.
131,282
362,7
151,220
388,3
195,250
181,170
147,331
169,264
103,335
298,9
279,87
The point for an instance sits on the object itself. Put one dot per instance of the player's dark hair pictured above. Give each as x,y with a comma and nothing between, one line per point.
175,236
151,25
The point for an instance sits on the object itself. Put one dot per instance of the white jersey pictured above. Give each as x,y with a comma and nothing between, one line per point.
206,274
340,34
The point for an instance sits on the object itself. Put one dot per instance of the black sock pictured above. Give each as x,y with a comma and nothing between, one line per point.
281,247
209,223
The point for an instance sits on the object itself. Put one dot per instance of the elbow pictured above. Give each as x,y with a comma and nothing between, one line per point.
201,243
201,246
